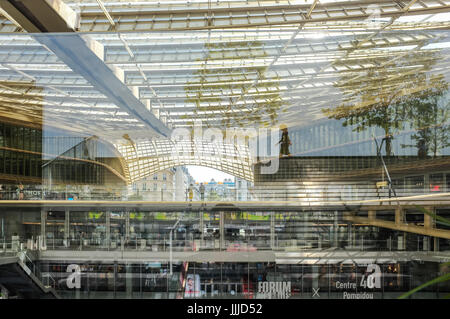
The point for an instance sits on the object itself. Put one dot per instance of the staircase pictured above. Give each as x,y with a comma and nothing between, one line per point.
22,279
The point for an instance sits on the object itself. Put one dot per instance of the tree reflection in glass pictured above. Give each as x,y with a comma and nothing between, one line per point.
236,95
394,92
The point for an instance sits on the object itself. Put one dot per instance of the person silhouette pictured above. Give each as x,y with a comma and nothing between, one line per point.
191,192
284,141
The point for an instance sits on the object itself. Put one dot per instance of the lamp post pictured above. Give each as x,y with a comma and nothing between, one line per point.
170,244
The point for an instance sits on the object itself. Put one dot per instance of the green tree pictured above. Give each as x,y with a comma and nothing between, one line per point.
377,97
428,112
216,91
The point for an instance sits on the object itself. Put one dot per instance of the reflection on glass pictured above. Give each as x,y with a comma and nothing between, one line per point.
88,167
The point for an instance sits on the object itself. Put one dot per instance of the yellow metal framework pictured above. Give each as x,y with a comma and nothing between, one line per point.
145,158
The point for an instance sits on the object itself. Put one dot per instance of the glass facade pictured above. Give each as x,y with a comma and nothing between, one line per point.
153,280
333,122
21,149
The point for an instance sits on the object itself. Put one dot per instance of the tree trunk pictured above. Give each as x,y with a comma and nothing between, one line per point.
387,140
388,147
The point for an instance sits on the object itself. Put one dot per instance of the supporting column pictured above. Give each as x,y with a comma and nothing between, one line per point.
67,228
426,184
221,231
2,228
272,230
428,223
350,234
202,231
43,232
127,226
426,243
372,215
305,228
170,251
400,219
436,244
335,229
402,242
315,281
108,230
129,281
399,216
115,279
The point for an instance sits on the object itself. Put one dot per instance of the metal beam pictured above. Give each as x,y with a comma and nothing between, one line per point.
441,233
84,56
223,15
42,15
74,51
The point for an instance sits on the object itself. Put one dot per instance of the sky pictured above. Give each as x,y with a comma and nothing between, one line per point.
204,174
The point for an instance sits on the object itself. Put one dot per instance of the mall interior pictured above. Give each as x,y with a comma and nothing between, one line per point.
331,116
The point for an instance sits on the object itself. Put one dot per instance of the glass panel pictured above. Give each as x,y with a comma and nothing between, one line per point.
177,159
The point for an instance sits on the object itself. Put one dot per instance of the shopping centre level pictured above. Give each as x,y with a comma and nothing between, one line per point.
281,233
221,222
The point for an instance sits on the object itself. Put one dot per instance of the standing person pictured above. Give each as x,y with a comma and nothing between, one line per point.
191,192
202,191
20,192
81,240
285,141
388,139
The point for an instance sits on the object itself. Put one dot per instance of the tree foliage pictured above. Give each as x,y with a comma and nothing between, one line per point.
220,92
392,92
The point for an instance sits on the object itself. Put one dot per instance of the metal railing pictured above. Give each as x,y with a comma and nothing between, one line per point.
239,245
16,249
267,191
45,278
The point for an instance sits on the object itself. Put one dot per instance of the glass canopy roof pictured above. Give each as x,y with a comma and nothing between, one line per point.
225,63
225,79
127,16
